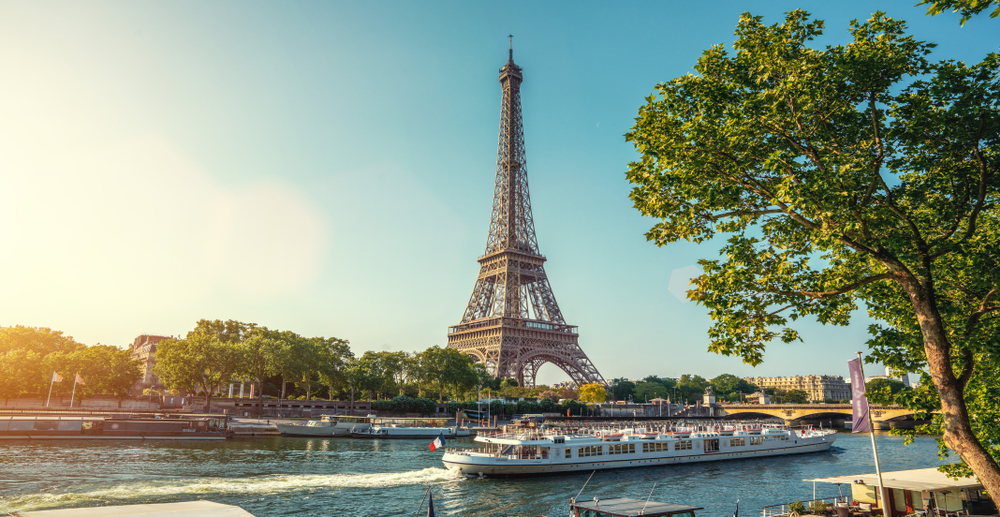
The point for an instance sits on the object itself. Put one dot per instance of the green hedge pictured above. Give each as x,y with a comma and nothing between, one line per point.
403,404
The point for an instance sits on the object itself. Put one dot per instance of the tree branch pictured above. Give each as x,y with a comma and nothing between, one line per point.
751,213
877,166
984,308
967,367
983,176
827,294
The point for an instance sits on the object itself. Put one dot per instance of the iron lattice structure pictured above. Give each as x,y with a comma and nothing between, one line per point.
513,324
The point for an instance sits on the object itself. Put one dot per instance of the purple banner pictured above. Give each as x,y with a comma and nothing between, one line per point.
859,403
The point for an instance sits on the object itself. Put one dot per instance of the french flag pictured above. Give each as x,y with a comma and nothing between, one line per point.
437,443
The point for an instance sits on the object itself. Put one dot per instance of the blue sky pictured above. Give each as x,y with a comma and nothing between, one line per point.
327,167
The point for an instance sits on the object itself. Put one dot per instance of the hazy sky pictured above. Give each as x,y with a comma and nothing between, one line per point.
327,167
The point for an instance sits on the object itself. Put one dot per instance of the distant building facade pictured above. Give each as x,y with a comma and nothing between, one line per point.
817,387
144,349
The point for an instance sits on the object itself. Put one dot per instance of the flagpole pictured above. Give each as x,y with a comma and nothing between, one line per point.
71,397
51,382
871,431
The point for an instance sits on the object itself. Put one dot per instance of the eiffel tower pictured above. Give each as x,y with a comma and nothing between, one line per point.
513,324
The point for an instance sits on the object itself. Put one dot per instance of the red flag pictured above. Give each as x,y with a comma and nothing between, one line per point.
79,380
56,377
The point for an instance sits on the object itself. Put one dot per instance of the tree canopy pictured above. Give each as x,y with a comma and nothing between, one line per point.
863,173
593,393
968,8
29,356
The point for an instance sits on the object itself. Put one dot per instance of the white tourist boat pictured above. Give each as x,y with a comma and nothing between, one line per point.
328,426
526,452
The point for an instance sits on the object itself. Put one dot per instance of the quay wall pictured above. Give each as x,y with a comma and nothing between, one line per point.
196,404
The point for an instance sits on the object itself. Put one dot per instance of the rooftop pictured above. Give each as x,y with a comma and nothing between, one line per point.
626,507
929,479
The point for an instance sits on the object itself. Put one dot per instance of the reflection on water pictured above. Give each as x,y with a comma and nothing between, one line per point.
342,476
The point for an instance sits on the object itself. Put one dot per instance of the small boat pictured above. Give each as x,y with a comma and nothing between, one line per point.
529,452
328,426
626,507
394,431
113,428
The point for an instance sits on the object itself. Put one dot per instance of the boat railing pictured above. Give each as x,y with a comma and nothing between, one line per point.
785,509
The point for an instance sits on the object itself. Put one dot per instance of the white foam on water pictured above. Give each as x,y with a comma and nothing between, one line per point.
256,486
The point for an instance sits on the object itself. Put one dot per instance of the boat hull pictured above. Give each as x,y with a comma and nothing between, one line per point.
410,433
492,466
307,431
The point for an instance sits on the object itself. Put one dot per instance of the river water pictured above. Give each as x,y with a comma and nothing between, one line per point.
276,476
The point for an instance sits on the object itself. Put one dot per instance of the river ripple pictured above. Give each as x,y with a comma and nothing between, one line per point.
307,476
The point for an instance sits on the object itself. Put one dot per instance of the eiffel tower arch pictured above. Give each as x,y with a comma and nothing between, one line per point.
513,324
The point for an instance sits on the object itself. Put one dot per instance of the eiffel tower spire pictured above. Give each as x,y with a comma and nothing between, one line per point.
512,323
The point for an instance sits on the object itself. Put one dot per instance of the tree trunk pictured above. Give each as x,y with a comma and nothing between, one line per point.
958,433
352,400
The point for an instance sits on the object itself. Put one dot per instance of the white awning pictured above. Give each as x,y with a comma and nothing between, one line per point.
930,479
185,509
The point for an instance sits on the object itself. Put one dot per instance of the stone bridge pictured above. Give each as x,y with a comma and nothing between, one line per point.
883,417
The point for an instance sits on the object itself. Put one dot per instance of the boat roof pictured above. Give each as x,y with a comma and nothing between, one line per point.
929,479
185,509
626,507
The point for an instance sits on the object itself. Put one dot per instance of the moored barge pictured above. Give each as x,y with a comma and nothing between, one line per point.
112,428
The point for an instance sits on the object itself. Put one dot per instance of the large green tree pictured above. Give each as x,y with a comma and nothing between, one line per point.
259,352
448,369
622,389
334,359
199,362
108,370
857,173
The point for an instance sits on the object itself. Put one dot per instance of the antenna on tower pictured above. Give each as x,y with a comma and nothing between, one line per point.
510,41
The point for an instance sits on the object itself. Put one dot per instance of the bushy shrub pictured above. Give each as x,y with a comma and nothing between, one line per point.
525,407
797,507
818,507
496,407
425,406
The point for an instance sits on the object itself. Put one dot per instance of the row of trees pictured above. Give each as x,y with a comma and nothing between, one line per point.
686,389
216,352
29,356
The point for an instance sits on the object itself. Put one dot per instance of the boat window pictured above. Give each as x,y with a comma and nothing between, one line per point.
71,426
46,425
712,445
736,442
22,425
684,514
569,452
683,445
